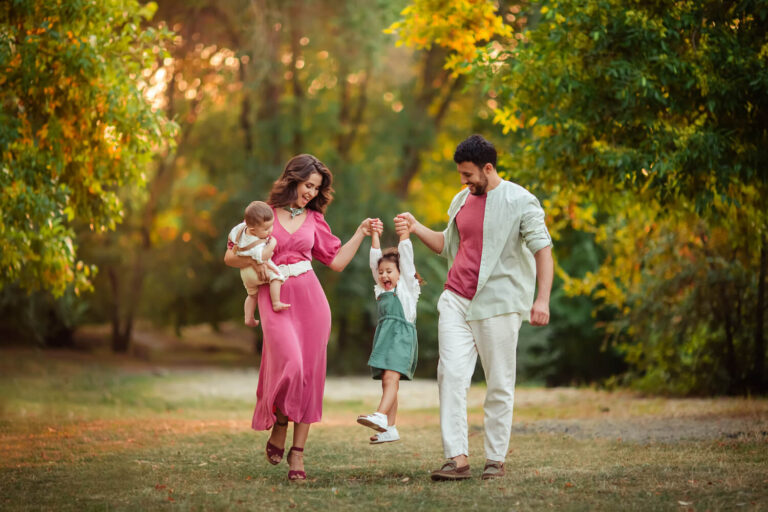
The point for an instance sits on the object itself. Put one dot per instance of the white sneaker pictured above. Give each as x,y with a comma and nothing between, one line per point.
377,421
387,437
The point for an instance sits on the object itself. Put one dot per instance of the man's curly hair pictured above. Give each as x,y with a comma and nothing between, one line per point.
475,149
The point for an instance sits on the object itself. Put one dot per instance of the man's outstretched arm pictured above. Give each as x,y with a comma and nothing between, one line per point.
407,223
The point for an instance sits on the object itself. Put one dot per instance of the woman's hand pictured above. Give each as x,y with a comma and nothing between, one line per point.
260,269
233,260
369,225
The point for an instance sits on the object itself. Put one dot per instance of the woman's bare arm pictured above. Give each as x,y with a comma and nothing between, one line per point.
349,249
233,260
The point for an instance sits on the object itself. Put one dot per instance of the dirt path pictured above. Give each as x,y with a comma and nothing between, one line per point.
580,413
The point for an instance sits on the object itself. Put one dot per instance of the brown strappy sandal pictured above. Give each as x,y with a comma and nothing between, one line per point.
274,451
296,475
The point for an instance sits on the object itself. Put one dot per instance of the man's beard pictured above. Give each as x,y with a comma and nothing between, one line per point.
479,188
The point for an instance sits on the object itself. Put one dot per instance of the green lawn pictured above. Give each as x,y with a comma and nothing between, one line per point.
77,433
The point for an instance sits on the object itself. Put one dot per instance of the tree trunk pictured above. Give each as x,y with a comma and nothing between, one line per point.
120,342
349,123
437,91
735,380
245,115
267,82
298,90
122,325
758,375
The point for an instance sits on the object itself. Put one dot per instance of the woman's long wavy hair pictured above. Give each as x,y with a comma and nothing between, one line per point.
298,170
391,254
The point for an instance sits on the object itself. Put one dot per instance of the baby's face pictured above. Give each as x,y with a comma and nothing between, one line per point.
388,275
263,230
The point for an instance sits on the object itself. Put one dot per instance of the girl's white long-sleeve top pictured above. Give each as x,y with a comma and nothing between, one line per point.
407,289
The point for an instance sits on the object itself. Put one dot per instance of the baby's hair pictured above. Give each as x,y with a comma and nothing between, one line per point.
257,213
392,255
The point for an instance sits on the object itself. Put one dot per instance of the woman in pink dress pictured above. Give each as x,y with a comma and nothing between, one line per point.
293,359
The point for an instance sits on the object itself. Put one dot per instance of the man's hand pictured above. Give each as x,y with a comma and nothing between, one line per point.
540,312
405,223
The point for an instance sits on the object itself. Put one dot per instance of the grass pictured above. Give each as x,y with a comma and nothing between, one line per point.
78,433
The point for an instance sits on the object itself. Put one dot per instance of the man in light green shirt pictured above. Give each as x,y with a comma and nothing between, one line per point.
498,249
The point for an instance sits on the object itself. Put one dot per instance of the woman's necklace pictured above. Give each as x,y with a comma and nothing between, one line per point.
294,211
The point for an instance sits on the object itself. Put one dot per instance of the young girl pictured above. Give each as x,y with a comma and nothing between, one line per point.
395,346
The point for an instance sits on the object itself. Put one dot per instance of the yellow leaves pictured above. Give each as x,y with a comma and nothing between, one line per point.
459,25
507,120
42,133
15,62
167,226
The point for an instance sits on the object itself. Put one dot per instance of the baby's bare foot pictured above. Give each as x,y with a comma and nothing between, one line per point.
279,306
251,322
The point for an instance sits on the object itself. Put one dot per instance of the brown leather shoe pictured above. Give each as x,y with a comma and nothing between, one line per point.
450,471
493,469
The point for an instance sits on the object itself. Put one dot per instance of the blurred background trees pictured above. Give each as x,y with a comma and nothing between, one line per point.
640,126
644,125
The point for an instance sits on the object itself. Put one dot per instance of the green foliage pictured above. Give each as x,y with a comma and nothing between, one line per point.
75,127
40,318
644,125
249,89
691,315
669,96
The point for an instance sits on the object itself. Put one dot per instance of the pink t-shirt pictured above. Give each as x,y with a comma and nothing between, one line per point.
462,276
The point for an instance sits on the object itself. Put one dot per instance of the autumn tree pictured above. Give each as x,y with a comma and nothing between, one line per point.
645,124
75,128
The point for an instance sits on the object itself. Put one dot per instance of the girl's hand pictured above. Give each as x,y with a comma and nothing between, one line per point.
405,223
369,225
377,226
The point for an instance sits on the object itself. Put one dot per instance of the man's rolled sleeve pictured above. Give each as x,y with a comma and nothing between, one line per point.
446,240
533,228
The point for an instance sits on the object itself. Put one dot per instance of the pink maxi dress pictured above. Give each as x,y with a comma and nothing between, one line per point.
293,358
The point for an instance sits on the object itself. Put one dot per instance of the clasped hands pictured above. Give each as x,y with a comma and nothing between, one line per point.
404,224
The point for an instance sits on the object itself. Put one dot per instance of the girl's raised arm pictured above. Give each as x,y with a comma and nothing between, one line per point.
375,255
407,265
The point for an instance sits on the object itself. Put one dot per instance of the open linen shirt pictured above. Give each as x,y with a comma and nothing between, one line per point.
407,289
513,230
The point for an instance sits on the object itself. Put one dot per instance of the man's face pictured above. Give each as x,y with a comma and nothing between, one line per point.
473,177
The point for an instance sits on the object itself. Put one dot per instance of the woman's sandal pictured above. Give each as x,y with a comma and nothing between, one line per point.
296,475
274,451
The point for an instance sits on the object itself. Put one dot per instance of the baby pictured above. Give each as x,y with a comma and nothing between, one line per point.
253,237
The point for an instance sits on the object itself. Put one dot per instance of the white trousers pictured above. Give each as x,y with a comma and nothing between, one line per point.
460,341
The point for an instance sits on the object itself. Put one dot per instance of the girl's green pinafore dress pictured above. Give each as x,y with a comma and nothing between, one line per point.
394,345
